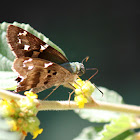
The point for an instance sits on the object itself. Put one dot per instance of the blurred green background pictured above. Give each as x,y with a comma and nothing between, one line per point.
107,31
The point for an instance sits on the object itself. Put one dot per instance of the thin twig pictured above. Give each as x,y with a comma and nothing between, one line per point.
100,105
65,105
4,94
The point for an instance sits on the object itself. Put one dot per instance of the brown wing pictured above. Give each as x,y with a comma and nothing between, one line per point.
25,44
38,73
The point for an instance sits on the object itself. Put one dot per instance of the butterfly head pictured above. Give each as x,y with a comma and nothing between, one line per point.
80,69
74,67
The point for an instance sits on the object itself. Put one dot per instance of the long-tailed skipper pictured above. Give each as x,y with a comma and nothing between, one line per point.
39,66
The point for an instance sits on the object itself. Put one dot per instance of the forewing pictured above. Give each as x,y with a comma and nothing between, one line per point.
25,44
38,73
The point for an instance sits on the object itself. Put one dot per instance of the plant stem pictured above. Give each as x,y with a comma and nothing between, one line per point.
4,94
66,105
100,105
22,137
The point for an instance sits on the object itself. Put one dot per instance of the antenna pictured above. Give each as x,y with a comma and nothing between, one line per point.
93,76
85,59
98,89
94,73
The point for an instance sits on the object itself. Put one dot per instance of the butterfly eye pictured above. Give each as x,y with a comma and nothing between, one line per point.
81,70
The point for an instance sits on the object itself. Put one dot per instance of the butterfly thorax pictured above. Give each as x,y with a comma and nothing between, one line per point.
74,67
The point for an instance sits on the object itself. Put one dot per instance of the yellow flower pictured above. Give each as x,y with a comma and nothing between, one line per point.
83,87
25,103
8,108
31,95
37,132
21,114
80,100
5,104
88,88
79,83
13,124
83,91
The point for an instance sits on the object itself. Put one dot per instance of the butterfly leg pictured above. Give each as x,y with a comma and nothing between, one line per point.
51,92
72,87
77,85
70,96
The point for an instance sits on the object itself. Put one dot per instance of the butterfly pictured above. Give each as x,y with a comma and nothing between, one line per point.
39,65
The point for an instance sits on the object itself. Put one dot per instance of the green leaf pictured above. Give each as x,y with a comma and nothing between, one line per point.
116,130
89,133
131,137
7,80
116,127
4,49
5,63
110,96
94,115
127,135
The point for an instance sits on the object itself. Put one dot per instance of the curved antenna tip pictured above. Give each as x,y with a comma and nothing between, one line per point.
85,59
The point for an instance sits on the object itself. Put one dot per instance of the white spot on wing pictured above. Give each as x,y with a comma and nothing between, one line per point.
24,65
47,64
30,67
26,61
19,41
46,45
26,47
20,34
42,48
29,60
24,33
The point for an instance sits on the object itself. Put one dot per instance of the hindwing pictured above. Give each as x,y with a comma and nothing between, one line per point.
38,73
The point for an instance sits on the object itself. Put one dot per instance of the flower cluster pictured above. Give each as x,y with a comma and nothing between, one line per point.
21,114
83,91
